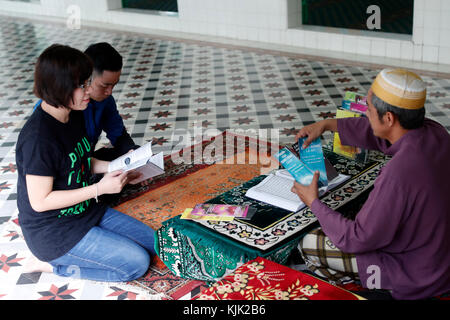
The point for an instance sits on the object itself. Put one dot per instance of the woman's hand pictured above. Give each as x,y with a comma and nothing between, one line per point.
113,182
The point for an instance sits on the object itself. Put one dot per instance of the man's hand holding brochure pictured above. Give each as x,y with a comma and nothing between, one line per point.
303,162
300,164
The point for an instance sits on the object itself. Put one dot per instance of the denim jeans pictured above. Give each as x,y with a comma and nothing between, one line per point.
118,249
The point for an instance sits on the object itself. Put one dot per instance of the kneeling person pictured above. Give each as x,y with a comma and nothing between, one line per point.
101,113
402,231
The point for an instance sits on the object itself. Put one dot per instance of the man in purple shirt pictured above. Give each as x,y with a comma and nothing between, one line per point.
401,236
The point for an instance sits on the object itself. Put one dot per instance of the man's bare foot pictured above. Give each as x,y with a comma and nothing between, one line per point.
36,265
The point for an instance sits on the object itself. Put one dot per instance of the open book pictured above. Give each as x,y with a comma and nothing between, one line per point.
275,189
141,160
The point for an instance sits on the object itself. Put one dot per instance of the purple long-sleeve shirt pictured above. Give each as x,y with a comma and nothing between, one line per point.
403,229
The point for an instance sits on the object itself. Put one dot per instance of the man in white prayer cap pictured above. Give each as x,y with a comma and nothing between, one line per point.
399,240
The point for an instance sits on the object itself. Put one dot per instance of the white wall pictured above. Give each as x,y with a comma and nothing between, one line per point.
269,21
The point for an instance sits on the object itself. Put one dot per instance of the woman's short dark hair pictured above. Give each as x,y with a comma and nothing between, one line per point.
409,119
104,57
59,71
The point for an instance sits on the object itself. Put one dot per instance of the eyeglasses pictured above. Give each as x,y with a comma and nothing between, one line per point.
85,85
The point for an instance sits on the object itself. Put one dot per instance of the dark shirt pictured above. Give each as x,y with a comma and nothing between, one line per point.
47,147
103,116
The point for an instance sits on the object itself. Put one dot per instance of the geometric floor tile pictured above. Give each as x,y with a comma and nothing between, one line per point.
58,293
8,262
29,278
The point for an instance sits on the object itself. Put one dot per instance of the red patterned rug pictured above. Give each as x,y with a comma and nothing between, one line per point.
261,279
160,280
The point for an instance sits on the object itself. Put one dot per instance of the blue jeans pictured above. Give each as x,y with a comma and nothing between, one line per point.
118,249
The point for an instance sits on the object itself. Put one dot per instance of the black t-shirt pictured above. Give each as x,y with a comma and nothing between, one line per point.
47,147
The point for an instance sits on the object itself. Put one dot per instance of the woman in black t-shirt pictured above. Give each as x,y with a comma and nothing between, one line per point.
66,229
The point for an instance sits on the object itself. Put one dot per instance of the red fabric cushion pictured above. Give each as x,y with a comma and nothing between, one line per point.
261,279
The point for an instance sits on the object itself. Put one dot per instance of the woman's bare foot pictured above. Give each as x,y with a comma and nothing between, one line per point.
36,265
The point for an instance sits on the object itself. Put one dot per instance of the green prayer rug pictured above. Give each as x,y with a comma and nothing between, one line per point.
208,250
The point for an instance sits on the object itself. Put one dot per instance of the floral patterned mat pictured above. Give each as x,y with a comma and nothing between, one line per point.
262,279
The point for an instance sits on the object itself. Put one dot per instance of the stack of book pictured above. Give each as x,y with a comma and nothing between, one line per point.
353,105
355,102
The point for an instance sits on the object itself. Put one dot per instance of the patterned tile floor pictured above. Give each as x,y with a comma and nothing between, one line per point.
168,86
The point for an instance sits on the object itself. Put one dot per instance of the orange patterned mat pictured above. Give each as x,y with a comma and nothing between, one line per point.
171,199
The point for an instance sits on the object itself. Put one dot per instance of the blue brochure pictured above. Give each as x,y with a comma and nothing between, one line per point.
302,168
296,168
313,158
